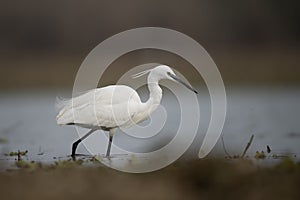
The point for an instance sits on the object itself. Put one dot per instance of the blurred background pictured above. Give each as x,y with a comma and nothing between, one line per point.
44,43
254,43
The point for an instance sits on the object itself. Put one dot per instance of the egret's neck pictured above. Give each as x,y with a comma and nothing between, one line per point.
155,93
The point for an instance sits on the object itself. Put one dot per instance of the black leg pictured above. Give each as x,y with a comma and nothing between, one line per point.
74,147
75,144
109,146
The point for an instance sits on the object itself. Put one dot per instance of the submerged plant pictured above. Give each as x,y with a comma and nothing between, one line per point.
17,153
22,164
260,155
61,164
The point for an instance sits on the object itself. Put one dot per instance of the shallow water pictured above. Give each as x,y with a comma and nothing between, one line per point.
27,122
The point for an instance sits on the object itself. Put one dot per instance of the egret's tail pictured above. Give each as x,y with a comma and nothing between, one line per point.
65,117
60,103
65,114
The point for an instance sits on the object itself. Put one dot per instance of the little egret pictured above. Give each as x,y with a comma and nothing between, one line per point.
114,106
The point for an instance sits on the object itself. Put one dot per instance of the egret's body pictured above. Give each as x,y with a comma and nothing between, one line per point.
114,106
109,107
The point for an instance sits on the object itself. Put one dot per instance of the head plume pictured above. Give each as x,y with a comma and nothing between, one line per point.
141,73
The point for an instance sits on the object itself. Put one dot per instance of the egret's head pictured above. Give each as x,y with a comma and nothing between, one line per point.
162,72
165,72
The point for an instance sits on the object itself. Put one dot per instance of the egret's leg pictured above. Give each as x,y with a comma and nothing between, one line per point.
109,146
75,144
111,134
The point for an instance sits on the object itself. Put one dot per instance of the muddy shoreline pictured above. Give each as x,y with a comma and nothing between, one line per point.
198,179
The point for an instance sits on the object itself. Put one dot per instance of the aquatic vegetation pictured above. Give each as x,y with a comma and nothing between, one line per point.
247,146
260,155
67,163
62,164
22,164
288,165
94,159
17,153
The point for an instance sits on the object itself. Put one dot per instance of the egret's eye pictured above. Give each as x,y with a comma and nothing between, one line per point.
169,73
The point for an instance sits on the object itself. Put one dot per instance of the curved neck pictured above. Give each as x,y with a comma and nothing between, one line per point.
155,92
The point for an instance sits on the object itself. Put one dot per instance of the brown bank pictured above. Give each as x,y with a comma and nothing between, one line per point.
199,179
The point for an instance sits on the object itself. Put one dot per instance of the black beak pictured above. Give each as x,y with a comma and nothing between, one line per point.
182,82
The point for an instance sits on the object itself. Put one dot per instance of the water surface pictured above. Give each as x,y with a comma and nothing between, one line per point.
27,122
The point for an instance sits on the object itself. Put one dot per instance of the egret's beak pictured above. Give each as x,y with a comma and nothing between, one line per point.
182,82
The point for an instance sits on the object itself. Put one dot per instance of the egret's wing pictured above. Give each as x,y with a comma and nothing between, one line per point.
100,107
115,115
113,94
92,115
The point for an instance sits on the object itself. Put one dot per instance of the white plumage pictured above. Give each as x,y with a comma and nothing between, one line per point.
114,106
99,107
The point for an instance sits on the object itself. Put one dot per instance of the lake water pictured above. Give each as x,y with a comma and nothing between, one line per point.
27,122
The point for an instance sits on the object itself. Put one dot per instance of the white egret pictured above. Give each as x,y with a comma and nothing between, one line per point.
114,106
